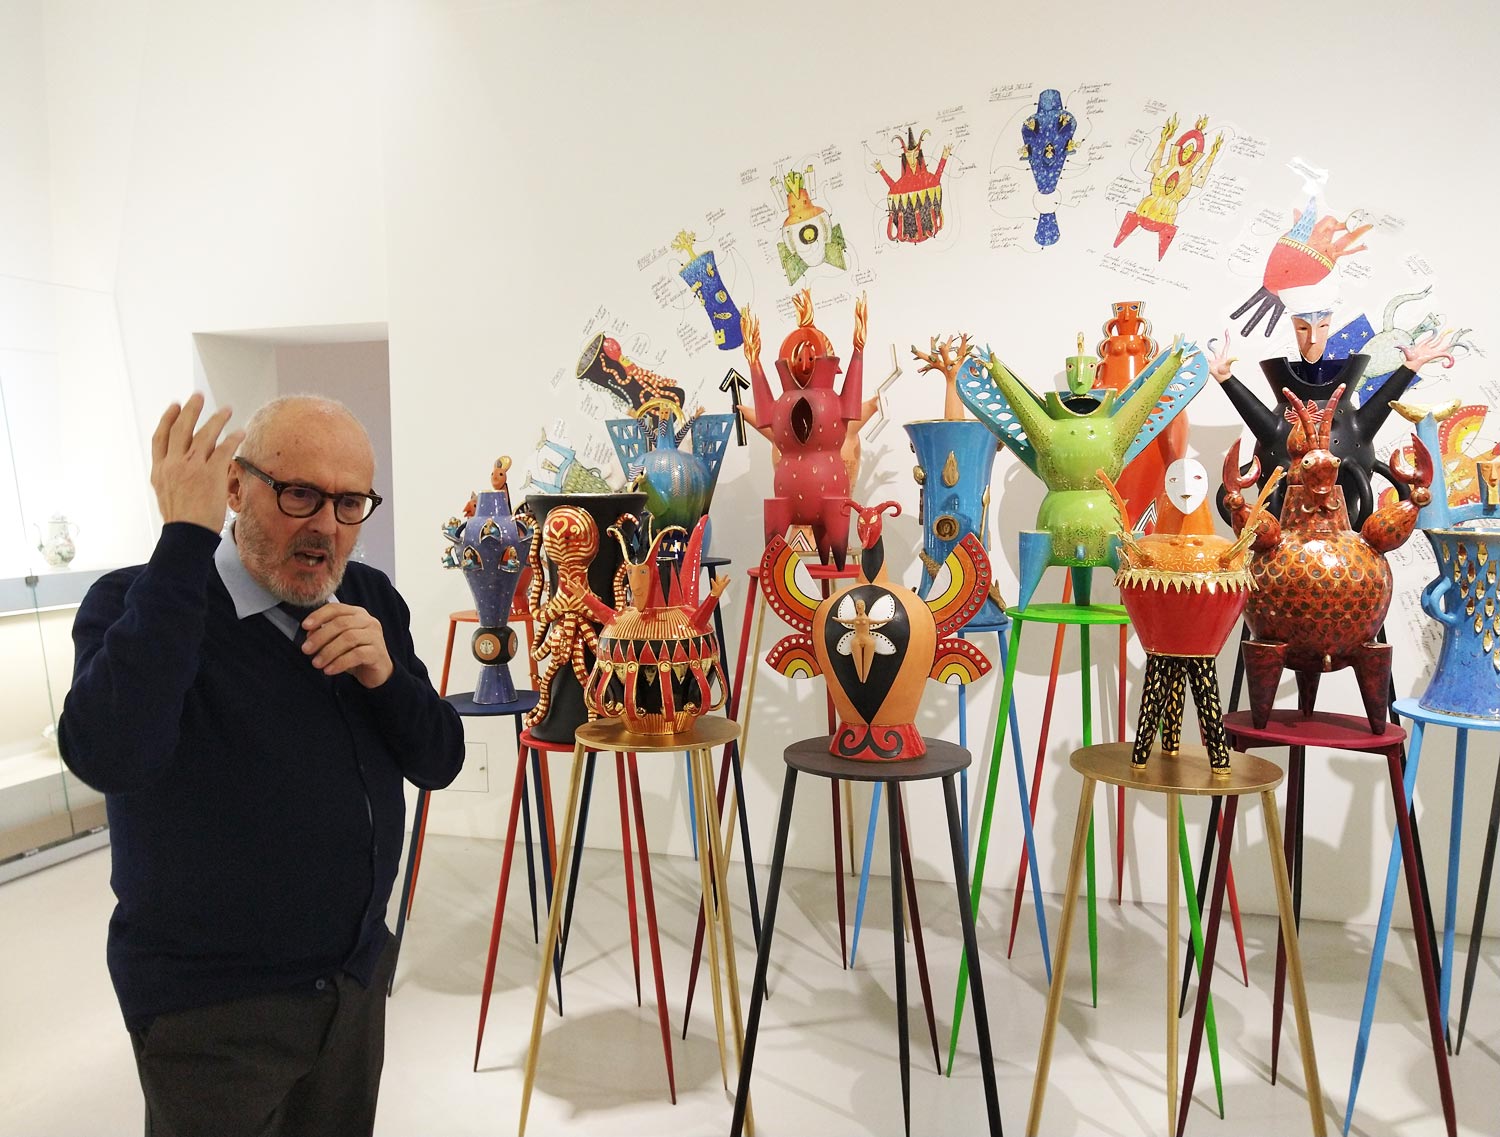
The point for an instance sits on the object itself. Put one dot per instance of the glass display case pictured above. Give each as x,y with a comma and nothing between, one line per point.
73,505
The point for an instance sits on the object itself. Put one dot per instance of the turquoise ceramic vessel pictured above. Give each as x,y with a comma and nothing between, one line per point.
955,459
1464,597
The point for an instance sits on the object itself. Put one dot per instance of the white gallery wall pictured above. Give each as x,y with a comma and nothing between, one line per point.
484,178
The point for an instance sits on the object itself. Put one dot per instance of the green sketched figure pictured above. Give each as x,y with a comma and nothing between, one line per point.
1064,441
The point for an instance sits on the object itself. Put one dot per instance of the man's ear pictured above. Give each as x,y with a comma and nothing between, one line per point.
236,478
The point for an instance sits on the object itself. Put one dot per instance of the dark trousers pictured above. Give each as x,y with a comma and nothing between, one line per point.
280,1065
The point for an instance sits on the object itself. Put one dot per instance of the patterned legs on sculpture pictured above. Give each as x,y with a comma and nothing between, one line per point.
1168,678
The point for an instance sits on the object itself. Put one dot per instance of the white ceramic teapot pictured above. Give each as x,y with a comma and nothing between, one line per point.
57,546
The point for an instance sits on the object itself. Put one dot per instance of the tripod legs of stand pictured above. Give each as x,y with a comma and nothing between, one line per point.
1284,906
1400,854
755,608
1481,902
895,827
963,798
555,920
1276,847
1060,972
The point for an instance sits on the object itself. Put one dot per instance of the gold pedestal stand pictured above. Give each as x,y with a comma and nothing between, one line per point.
1185,773
699,742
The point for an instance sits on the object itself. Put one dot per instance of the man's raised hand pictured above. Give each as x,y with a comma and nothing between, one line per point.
190,464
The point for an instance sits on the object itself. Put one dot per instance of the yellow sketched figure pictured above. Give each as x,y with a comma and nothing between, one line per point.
1177,168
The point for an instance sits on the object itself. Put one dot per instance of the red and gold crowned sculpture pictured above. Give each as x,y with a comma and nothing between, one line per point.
1184,587
877,642
658,664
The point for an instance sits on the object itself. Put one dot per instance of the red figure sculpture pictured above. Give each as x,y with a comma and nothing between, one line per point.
1321,590
808,424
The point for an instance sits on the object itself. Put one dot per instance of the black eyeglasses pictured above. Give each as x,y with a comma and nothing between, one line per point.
303,501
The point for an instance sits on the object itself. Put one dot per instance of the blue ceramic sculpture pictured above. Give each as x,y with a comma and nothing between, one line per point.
490,546
678,484
1464,597
954,463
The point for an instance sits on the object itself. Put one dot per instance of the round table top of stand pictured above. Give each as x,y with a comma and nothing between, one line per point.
610,734
811,756
819,571
1186,772
463,702
1413,709
714,562
1070,614
1290,727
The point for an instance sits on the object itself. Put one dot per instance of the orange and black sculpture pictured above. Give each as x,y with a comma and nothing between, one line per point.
1321,589
876,642
1184,587
657,662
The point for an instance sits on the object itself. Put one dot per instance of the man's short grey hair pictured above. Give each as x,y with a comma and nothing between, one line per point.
253,446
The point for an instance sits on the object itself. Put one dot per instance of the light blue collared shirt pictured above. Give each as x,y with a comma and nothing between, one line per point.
250,597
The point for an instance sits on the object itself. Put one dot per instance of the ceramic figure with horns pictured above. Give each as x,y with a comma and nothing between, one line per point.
657,661
1321,589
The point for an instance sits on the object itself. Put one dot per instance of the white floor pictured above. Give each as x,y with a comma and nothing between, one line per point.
827,1056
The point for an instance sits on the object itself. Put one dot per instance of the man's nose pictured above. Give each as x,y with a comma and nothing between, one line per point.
322,520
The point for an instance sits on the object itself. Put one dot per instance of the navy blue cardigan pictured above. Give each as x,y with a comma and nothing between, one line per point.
255,806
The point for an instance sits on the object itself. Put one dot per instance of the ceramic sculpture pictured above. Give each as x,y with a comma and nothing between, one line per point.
808,424
605,366
1184,588
1321,589
658,665
1311,377
914,201
678,484
1046,142
491,547
955,458
1464,597
568,564
56,545
876,642
1066,443
701,272
1124,352
1127,345
1175,173
1080,374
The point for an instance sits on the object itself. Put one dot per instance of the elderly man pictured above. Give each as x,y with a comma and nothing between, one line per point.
249,704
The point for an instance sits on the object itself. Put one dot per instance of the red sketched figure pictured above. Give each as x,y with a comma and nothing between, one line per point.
914,201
